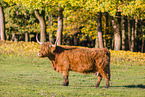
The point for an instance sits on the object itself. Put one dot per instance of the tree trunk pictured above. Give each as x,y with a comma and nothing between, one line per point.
2,22
75,40
143,38
132,35
143,43
60,26
51,33
14,38
123,32
26,37
43,25
96,42
106,30
116,34
135,35
129,34
126,33
99,29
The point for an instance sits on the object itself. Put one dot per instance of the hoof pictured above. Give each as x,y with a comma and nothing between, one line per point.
65,84
107,86
96,86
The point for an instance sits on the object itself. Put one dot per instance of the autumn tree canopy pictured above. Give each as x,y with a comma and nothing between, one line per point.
80,21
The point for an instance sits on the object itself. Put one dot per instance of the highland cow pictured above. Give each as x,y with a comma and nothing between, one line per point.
78,59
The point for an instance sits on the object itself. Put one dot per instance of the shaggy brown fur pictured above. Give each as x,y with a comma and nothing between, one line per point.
82,60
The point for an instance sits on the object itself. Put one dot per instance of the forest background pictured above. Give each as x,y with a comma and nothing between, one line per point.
115,24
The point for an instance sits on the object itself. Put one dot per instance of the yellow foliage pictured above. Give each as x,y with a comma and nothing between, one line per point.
121,56
30,49
19,48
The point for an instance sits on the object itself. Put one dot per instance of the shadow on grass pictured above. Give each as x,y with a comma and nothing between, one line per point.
127,86
132,86
135,86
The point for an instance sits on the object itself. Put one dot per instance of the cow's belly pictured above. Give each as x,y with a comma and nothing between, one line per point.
83,67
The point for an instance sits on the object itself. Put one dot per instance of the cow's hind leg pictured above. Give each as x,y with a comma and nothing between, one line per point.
107,82
99,80
65,77
105,76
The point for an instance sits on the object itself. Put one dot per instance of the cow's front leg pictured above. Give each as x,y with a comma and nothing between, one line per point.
65,77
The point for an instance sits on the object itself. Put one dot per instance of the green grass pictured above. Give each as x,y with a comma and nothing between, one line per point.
23,74
34,77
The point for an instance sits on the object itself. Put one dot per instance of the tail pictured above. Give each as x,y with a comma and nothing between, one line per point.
108,63
109,74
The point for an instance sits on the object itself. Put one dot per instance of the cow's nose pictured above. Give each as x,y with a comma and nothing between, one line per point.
39,54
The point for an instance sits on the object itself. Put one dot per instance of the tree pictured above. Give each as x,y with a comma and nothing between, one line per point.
116,34
143,35
50,24
60,26
34,6
123,32
43,26
132,35
99,29
81,21
40,7
2,22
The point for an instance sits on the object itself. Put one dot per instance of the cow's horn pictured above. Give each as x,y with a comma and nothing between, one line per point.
38,40
55,45
56,42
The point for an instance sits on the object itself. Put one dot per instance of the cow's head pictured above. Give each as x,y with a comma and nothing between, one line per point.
46,49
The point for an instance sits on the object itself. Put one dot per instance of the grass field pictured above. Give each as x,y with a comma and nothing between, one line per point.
23,74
